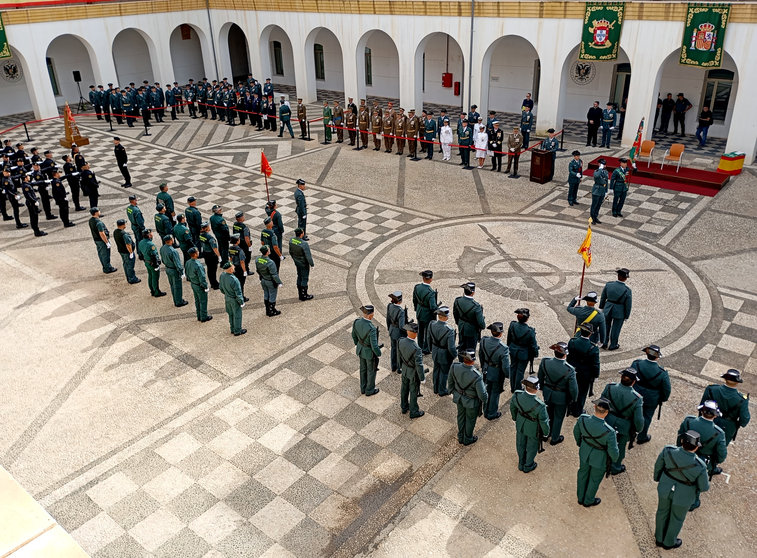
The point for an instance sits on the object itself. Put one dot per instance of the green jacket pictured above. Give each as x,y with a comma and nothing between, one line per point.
619,180
583,355
166,199
171,258
596,441
163,224
494,357
220,228
625,408
424,302
582,314
300,252
207,243
681,472
467,386
149,252
574,169
714,449
365,337
441,340
267,270
529,413
196,273
616,300
558,381
601,179
135,216
733,404
395,320
521,339
411,359
182,234
230,287
268,238
194,218
653,383
469,316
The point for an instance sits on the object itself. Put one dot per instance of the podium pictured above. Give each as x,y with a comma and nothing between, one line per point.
542,166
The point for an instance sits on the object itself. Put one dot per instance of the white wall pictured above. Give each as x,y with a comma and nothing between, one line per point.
511,75
333,64
186,57
132,59
288,58
385,66
579,98
436,64
68,53
14,94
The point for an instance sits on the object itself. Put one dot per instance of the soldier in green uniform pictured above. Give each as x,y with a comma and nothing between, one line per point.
241,229
653,385
411,133
733,404
531,423
583,355
136,219
303,262
174,270
465,140
616,302
551,144
469,317
429,134
232,291
194,219
395,324
272,210
301,207
713,450
558,381
681,476
441,341
575,173
210,253
101,236
469,394
326,122
521,340
221,231
183,236
368,350
269,238
411,366
589,314
424,303
152,263
609,119
338,121
239,259
269,281
598,191
619,185
625,416
494,356
165,198
127,248
597,448
163,224
196,276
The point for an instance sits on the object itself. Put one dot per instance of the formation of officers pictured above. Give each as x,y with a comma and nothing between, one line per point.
476,370
603,183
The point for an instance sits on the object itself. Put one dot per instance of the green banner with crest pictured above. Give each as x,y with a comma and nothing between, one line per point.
704,35
600,39
5,50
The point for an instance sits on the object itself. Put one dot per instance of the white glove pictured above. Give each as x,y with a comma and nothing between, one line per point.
241,305
601,166
304,217
107,245
131,255
577,298
579,175
74,174
48,181
36,203
18,197
207,290
283,257
244,274
183,276
220,259
512,149
124,165
156,268
612,127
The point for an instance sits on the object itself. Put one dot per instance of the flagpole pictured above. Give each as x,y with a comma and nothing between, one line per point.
581,286
267,195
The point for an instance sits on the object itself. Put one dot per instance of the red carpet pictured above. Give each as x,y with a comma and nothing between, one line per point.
694,181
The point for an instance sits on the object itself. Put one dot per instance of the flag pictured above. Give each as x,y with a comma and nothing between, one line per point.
585,248
265,168
636,147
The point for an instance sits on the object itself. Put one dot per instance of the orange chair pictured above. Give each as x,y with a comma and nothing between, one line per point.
647,148
675,153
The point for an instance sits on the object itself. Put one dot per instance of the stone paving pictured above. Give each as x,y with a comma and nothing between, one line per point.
145,433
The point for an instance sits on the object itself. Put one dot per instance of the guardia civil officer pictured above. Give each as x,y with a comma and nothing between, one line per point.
194,219
558,381
411,366
221,231
598,191
127,248
733,404
521,340
165,198
101,236
365,338
619,185
395,324
441,340
234,299
583,355
625,416
239,259
196,275
122,161
531,423
575,173
494,357
424,303
616,301
301,207
272,210
136,218
597,448
269,238
469,317
174,270
241,229
183,236
466,384
269,281
653,385
152,263
681,476
299,249
210,253
589,314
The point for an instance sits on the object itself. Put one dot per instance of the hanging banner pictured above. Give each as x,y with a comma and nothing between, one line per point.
601,35
5,50
704,35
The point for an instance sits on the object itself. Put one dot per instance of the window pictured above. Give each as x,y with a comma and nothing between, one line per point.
537,81
717,93
320,69
278,59
368,67
53,79
423,74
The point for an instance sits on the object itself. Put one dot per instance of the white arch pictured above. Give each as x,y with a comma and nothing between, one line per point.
129,62
187,62
437,94
334,78
267,36
509,104
62,50
382,63
231,65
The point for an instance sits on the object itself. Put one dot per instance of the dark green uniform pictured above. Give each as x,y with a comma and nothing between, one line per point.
221,231
174,271
714,449
531,422
196,275
469,394
152,262
619,185
575,173
163,225
681,476
598,192
558,381
96,226
424,303
194,222
137,221
734,406
625,417
184,237
590,315
269,278
583,355
598,447
232,290
494,357
653,385
521,340
395,324
616,302
411,365
166,199
441,340
303,260
365,337
469,317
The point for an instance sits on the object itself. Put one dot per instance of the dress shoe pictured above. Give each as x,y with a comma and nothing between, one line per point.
22,226
495,417
159,294
246,299
7,218
622,470
40,233
374,392
207,318
138,280
678,543
51,217
613,347
658,543
597,222
717,470
80,208
112,270
594,503
604,346
404,411
472,441
641,440
241,332
560,440
420,414
182,303
534,468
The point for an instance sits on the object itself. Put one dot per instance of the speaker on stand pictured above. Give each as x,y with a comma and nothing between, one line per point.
82,101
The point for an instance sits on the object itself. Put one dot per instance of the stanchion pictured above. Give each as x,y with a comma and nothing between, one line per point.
110,121
308,138
562,140
147,132
26,130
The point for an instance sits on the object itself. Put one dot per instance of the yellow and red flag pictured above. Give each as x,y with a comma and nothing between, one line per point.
585,248
265,168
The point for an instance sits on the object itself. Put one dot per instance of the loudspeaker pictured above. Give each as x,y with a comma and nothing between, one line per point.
77,76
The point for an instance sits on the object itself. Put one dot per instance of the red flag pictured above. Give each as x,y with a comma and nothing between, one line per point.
265,168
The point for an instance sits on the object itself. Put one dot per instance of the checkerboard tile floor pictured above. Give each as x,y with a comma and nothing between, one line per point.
285,461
